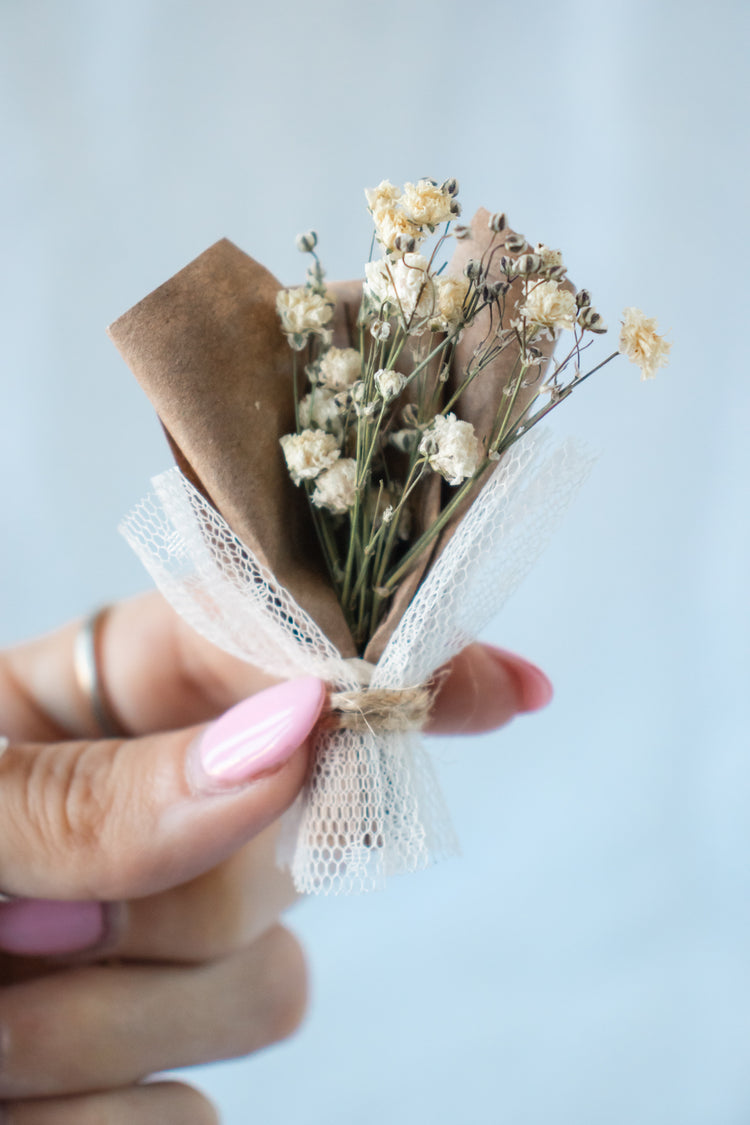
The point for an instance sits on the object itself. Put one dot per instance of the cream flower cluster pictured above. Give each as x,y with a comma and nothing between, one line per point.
451,448
550,306
451,295
641,344
335,487
403,283
339,368
402,217
304,313
309,453
319,408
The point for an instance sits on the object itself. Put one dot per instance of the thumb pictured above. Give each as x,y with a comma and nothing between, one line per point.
113,820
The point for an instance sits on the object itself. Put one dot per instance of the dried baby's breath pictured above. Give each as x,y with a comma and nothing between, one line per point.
381,419
642,344
451,448
550,306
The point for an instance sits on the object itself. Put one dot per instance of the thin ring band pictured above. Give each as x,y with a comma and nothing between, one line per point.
86,666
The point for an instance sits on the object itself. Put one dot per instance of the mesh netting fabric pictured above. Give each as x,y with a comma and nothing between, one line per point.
373,807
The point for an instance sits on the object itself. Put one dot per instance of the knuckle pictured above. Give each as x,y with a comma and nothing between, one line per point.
64,799
67,808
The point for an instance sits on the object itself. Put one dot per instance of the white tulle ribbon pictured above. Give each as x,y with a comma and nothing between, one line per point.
373,807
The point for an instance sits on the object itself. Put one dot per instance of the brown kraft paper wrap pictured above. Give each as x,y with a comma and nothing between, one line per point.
208,350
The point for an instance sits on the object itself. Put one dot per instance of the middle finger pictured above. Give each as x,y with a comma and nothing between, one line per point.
113,1025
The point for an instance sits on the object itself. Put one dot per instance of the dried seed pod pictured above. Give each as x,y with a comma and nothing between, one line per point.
583,298
450,187
405,243
380,329
497,222
410,415
455,207
555,273
473,269
590,319
529,263
307,242
515,243
460,231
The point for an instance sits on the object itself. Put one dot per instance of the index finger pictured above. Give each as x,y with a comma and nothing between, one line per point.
160,675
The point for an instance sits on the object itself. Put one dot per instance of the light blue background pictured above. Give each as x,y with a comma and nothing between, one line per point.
587,960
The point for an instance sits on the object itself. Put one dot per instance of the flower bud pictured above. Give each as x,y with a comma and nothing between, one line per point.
405,243
555,273
491,290
306,243
497,222
473,269
529,263
461,232
509,266
410,415
380,329
590,319
515,243
455,207
450,187
583,298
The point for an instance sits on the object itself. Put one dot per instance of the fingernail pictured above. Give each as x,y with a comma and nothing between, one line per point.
534,688
262,731
38,927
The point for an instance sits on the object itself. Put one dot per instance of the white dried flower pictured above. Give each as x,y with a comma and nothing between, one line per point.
551,259
404,283
339,368
320,409
550,306
384,195
428,205
389,383
451,448
304,313
309,453
451,294
393,228
335,488
641,344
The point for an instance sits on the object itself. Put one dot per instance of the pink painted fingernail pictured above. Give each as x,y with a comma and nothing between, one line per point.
262,731
38,927
534,688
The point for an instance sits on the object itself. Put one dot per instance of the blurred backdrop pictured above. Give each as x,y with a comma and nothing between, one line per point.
587,959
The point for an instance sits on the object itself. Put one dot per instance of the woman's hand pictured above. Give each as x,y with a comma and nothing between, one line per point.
166,951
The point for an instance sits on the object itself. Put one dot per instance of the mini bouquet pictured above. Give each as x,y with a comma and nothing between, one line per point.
360,485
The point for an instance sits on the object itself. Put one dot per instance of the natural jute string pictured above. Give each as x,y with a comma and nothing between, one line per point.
377,709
